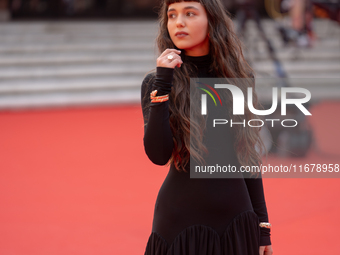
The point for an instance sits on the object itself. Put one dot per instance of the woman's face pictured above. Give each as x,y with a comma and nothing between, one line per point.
188,27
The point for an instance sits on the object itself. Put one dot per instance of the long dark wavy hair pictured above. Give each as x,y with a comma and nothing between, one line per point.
229,62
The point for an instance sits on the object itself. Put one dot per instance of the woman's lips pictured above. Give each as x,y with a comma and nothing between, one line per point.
181,34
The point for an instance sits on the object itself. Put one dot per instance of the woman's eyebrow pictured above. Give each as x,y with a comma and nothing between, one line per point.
185,8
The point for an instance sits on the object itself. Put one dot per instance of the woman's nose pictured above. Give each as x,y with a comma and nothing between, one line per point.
180,21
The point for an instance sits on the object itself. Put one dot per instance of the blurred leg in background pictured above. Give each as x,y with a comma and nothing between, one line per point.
301,14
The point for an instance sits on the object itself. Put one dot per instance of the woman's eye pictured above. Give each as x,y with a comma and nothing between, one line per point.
171,16
190,14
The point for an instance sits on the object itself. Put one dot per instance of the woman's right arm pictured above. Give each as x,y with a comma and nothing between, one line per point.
158,142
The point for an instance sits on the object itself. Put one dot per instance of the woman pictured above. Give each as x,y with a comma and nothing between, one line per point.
199,216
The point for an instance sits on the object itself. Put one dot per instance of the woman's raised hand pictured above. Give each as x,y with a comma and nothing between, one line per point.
169,58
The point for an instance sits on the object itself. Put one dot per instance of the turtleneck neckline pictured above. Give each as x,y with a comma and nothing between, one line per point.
200,61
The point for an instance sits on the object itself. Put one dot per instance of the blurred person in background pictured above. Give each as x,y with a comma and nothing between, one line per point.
298,28
301,13
246,10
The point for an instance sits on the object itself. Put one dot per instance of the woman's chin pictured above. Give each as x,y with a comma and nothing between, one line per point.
182,46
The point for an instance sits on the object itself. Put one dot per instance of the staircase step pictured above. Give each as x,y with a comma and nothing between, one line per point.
146,55
39,47
66,99
76,58
306,67
22,86
74,70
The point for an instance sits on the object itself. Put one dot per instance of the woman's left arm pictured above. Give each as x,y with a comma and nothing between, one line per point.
256,193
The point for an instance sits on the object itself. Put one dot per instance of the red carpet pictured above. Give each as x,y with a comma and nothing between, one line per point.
77,181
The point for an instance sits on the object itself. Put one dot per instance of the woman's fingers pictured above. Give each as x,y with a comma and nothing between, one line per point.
170,61
167,51
266,250
174,59
169,58
261,251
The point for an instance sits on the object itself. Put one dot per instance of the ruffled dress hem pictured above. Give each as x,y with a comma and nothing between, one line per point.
242,237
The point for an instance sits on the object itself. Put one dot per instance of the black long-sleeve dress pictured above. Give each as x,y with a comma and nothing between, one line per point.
198,216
